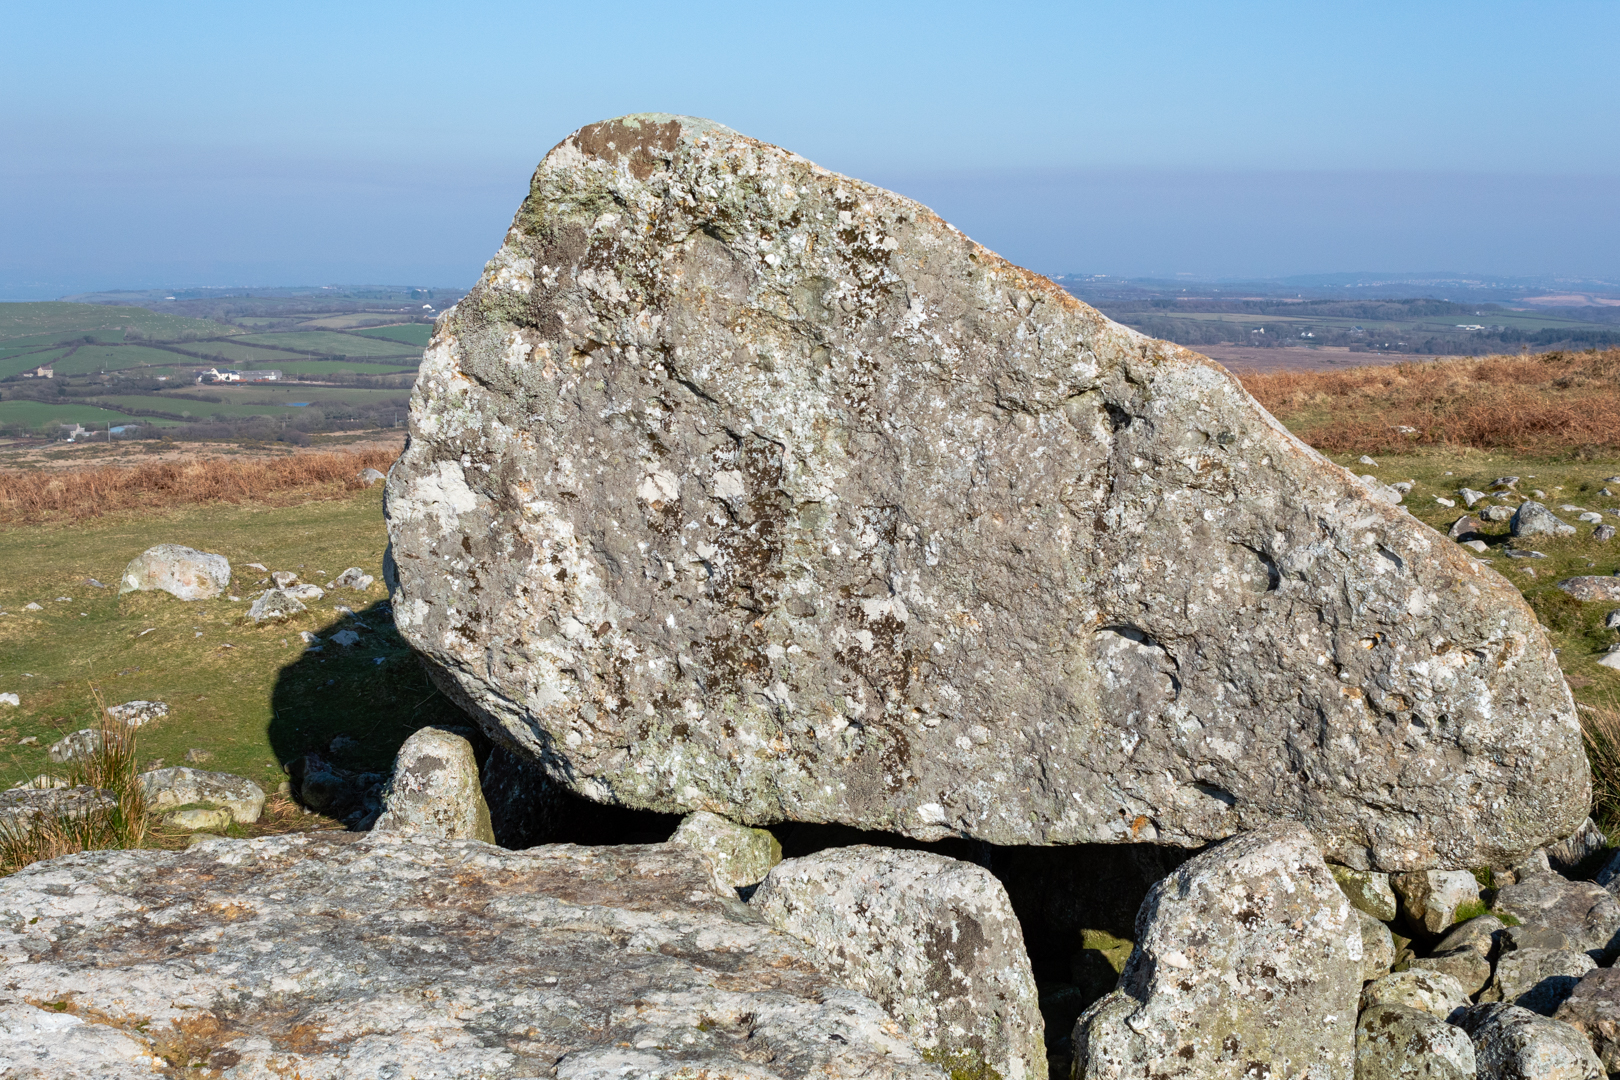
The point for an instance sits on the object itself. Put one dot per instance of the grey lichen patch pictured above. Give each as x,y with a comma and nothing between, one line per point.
737,485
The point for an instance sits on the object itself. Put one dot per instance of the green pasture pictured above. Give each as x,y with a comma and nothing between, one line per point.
34,415
91,359
347,367
52,321
239,355
17,363
329,342
255,696
414,334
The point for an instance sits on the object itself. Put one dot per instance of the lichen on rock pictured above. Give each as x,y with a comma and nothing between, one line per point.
741,486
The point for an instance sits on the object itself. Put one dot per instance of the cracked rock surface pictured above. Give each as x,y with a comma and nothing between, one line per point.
742,486
304,955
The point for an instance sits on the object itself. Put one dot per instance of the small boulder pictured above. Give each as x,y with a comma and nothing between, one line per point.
1469,496
181,786
1394,1042
180,571
1533,519
1368,891
933,940
84,743
1433,992
1537,979
1377,947
1478,934
353,578
199,819
1592,589
137,713
1247,963
1479,547
346,639
1513,1043
1497,514
740,856
1471,970
284,579
435,791
1603,533
1465,527
1570,853
370,476
21,807
10,699
198,756
1431,898
1593,1009
304,593
1610,659
1580,910
1612,620
274,604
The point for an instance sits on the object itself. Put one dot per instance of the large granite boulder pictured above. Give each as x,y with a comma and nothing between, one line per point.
738,485
1512,1043
1394,1042
1593,1009
1586,914
1247,963
305,955
180,571
931,939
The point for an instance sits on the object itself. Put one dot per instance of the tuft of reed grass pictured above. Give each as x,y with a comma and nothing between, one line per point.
36,495
112,768
1600,729
1544,403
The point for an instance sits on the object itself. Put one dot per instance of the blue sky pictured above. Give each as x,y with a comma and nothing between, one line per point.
228,144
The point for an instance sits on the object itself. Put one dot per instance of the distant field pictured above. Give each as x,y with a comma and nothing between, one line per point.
17,363
36,414
306,366
416,334
329,342
50,322
241,355
93,359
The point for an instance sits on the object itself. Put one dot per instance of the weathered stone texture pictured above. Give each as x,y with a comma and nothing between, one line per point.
931,939
435,790
738,854
180,571
738,485
306,956
1247,963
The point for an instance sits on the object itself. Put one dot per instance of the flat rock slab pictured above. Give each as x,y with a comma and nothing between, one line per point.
1591,589
739,485
299,955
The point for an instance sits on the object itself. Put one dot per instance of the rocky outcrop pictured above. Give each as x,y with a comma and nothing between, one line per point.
933,940
23,807
304,955
1435,993
1394,1042
738,485
1511,1043
167,789
435,790
1247,963
1533,519
740,856
180,571
1593,1009
1582,911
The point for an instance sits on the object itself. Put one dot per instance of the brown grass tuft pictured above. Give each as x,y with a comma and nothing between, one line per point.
1600,725
45,495
113,768
1545,403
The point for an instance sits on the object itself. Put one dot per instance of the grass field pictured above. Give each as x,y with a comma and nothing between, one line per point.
332,343
415,334
28,360
53,321
36,414
94,359
254,696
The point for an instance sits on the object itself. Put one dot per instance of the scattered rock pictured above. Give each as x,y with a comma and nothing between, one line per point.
370,476
1537,979
180,571
1593,1009
1580,910
31,606
304,593
1612,622
1533,519
353,578
199,756
1377,947
274,604
1603,533
21,807
212,819
741,856
42,782
1513,1043
1394,1042
932,940
138,713
1389,493
1497,514
1229,989
180,786
1567,855
10,699
1477,545
1611,659
28,740
1405,487
1521,553
1447,503
317,955
84,743
1368,891
1592,589
435,791
1365,460
1431,898
284,579
1434,992
1193,591
345,638
1504,481
1591,518
1471,970
1470,496
355,798
1464,527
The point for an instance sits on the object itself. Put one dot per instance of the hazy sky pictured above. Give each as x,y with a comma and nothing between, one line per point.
231,144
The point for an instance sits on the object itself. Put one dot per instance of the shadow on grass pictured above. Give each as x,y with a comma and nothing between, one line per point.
342,710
